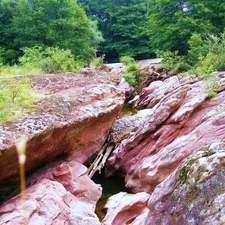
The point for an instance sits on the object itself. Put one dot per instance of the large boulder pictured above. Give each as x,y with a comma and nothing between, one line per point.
72,122
124,208
64,195
181,120
194,193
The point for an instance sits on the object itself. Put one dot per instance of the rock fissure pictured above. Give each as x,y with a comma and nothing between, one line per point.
169,152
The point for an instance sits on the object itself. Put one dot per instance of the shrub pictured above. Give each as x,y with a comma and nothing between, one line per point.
99,62
50,60
127,60
205,65
180,67
57,60
215,58
15,95
133,68
212,93
170,61
196,49
130,78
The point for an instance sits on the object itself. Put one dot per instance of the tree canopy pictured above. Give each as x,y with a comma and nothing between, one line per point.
137,28
173,22
48,23
124,25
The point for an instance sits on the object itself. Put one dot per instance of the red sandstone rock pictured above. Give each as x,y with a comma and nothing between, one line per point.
72,122
182,119
68,198
194,192
124,208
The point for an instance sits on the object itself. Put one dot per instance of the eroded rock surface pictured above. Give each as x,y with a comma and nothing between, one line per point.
124,208
181,120
71,123
194,193
64,195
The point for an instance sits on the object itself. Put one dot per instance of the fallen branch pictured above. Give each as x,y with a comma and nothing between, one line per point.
97,158
101,158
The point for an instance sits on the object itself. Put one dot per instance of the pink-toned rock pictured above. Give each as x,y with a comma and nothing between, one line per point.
182,119
64,195
72,122
194,192
124,208
128,89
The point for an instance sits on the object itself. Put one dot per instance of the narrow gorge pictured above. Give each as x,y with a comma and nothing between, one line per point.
167,164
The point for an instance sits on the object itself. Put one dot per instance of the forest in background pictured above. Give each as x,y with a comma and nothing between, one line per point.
56,36
139,28
136,28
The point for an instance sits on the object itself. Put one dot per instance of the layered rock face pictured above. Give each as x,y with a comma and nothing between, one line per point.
69,125
64,195
175,153
171,154
194,193
181,120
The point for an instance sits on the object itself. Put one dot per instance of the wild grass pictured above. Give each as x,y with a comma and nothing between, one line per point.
17,96
7,71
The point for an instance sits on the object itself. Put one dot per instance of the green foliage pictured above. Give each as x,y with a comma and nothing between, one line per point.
132,70
50,60
173,22
205,65
15,95
212,93
170,59
17,88
195,48
99,62
130,78
97,37
57,60
46,23
127,60
212,85
31,56
15,70
214,59
124,25
7,11
1,56
216,46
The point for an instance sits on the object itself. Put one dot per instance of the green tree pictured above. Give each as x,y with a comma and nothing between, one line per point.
8,50
173,22
124,26
53,23
196,48
128,32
